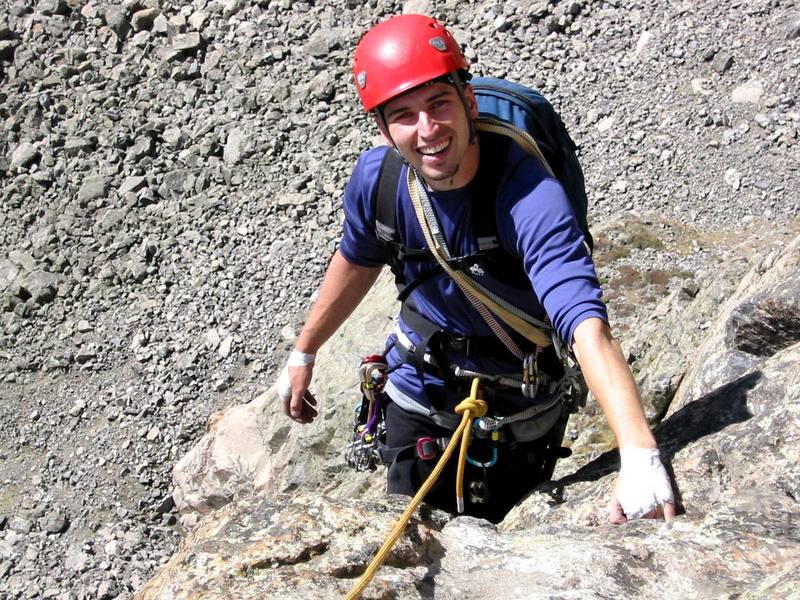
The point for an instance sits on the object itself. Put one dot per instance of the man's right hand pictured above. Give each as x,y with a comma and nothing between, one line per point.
344,286
298,403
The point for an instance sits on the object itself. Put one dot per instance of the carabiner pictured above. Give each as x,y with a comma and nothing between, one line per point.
530,374
492,461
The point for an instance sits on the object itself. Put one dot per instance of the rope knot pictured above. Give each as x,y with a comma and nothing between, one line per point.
475,406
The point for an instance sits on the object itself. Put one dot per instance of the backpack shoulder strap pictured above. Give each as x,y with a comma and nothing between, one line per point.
494,150
384,200
520,136
501,262
384,209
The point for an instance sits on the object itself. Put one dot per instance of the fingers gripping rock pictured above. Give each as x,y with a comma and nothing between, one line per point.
644,484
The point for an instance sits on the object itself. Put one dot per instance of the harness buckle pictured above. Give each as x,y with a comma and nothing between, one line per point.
427,448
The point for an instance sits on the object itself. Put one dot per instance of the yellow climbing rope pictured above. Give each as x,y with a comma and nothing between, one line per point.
469,409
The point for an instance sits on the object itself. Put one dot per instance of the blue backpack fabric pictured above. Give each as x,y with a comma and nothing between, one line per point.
528,110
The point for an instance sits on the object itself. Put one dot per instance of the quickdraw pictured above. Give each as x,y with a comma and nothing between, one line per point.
368,427
530,373
571,388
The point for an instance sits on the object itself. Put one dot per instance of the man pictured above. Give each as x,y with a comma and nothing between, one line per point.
413,78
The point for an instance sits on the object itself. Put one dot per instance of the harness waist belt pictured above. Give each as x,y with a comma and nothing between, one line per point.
457,344
473,346
408,349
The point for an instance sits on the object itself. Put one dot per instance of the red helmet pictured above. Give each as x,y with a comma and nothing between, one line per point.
401,53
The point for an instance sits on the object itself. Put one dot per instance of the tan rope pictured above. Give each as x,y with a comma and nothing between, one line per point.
469,408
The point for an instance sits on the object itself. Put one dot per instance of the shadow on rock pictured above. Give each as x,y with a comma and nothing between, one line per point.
711,414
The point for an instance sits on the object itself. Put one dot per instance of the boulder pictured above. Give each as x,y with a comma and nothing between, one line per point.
23,155
661,348
235,146
760,319
297,546
117,20
143,19
715,393
93,187
39,286
8,272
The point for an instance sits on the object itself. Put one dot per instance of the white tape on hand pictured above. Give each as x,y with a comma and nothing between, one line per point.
643,482
284,385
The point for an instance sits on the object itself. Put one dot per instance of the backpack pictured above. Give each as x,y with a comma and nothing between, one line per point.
524,109
528,110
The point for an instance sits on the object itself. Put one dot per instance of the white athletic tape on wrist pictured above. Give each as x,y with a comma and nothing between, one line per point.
284,383
644,483
300,359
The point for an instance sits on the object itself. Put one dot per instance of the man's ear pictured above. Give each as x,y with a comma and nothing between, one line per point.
469,94
382,128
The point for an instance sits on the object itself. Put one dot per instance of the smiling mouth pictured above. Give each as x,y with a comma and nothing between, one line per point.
436,149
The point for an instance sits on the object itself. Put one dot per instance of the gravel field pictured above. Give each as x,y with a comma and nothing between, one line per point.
170,182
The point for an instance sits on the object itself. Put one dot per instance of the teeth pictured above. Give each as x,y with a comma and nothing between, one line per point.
435,149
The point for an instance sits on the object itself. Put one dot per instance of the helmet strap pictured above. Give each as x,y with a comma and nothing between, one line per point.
455,79
384,127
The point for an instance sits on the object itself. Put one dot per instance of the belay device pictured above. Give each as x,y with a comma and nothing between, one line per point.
368,427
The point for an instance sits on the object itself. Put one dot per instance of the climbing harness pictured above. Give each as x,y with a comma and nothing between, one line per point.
469,409
567,390
362,453
407,348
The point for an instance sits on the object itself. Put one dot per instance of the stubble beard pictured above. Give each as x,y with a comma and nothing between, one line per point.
449,174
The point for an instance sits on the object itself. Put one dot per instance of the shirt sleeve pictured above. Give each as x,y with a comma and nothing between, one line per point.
538,223
359,243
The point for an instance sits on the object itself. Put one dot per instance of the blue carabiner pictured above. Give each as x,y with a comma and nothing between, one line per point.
492,461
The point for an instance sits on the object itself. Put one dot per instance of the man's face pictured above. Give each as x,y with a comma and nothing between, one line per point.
430,128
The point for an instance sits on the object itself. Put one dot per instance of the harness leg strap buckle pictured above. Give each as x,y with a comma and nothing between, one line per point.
427,448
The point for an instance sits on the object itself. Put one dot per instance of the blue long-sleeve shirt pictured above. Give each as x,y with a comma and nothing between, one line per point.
535,221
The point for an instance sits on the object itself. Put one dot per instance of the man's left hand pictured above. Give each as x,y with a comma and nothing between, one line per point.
643,490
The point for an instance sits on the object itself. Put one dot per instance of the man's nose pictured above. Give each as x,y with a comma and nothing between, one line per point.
427,124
